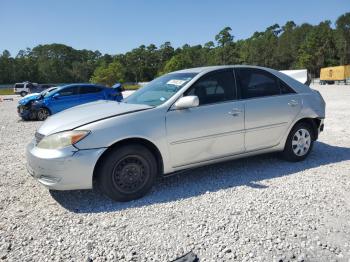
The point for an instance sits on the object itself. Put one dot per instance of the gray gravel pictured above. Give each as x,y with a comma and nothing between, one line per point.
255,209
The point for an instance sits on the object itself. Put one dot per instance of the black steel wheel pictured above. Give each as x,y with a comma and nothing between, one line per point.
127,172
130,174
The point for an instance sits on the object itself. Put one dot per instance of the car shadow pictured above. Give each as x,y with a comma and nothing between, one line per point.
195,182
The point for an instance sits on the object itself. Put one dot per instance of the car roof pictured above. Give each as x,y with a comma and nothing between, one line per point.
212,68
82,85
79,85
59,88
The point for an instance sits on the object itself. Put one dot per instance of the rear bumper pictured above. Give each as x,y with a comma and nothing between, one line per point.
64,169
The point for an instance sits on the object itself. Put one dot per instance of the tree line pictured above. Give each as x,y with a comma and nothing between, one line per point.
284,47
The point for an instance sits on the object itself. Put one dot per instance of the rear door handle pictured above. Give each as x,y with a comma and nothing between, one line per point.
293,103
235,112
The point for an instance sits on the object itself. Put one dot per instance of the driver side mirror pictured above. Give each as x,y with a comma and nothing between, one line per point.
187,102
119,87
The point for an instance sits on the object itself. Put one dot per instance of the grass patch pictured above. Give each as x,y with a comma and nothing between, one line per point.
131,87
6,91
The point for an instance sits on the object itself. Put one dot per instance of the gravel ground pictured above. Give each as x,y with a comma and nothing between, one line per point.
255,209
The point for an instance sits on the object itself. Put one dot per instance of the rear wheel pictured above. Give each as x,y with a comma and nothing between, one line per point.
299,142
127,172
42,114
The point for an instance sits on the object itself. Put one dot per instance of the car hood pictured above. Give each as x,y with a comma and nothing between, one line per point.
29,98
87,113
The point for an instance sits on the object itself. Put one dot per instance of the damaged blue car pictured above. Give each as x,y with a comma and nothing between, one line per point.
53,100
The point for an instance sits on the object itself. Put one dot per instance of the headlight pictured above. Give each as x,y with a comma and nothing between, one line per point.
63,139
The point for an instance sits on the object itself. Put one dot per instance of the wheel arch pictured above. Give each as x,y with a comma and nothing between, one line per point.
313,122
135,140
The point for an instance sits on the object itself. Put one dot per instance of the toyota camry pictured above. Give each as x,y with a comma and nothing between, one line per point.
181,120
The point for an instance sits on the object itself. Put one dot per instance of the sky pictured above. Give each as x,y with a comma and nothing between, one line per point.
118,26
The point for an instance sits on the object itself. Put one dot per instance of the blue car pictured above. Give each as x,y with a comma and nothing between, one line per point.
53,100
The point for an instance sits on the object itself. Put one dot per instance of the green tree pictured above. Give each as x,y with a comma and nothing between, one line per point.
189,56
225,52
343,38
289,42
166,52
109,75
177,62
224,37
261,48
6,67
318,49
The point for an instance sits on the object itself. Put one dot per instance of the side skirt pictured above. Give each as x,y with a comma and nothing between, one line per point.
185,168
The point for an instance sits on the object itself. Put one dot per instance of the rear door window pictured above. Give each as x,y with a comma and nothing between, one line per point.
256,83
285,89
19,86
89,89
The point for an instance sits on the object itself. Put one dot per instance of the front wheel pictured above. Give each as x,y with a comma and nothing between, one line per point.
127,172
42,114
32,115
23,93
299,142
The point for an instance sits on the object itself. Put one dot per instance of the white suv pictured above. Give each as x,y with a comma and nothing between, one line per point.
23,88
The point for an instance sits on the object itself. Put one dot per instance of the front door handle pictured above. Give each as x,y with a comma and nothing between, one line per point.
235,112
293,103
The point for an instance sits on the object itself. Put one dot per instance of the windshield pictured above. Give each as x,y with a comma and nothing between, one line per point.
47,92
160,89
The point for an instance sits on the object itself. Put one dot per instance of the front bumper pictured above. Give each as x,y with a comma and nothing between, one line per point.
65,169
23,111
321,126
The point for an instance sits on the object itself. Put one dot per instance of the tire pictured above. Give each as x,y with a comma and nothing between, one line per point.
32,116
299,142
127,172
42,114
23,93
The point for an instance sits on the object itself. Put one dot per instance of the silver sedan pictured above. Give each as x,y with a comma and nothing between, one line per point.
180,120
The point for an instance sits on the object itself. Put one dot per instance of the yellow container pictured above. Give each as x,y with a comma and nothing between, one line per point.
335,73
